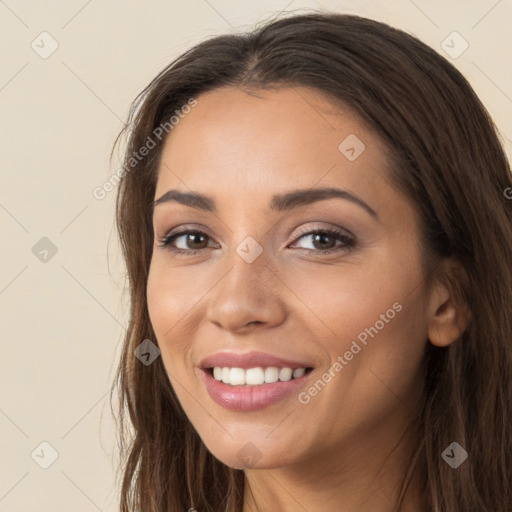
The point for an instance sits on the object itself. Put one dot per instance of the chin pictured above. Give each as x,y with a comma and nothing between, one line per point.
252,454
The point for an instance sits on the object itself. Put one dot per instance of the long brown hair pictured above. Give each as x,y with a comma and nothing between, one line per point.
448,160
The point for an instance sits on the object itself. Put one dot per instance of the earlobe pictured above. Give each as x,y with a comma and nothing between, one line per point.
449,314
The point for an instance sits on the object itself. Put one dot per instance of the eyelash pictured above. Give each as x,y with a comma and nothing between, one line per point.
349,242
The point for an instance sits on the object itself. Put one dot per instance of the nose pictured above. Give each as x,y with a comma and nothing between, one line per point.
249,296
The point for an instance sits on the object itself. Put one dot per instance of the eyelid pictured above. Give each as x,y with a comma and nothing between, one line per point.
332,229
307,230
347,239
185,228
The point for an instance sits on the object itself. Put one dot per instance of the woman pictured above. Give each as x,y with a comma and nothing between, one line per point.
318,239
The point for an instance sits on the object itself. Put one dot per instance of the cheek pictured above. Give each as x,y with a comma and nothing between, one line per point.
176,300
372,312
343,300
374,333
171,292
161,301
166,306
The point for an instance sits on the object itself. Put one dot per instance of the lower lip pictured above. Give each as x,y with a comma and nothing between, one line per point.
250,398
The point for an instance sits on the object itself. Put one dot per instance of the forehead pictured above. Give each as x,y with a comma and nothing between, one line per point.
292,137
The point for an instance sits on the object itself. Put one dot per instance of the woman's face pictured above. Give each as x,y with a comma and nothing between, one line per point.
283,277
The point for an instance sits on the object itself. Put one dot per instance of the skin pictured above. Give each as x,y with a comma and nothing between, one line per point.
333,453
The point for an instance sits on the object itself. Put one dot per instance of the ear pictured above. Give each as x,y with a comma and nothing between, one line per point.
449,315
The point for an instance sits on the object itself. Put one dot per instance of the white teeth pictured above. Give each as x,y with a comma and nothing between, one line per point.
271,374
255,376
285,374
236,377
299,372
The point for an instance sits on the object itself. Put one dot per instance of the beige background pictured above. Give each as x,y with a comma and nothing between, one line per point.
62,319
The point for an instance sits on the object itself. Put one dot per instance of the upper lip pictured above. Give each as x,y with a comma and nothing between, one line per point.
247,360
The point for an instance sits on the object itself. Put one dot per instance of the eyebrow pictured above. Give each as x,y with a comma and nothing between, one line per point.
279,202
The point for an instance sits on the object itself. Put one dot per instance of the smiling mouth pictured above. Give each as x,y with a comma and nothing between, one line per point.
257,376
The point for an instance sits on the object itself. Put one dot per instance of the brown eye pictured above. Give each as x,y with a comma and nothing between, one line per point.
194,240
186,242
324,240
321,241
